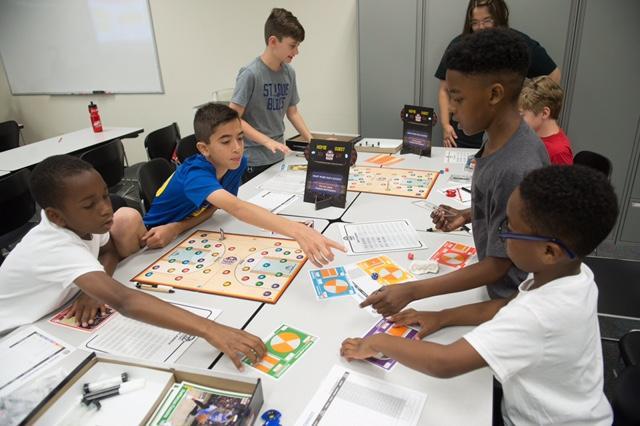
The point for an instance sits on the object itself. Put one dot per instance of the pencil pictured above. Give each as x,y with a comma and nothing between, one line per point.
154,287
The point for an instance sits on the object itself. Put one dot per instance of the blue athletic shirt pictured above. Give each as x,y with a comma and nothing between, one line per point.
185,193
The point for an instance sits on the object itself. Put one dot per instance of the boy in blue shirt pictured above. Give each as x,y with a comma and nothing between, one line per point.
266,90
542,344
210,180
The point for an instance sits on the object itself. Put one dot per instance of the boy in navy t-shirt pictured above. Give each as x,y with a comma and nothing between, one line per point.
210,180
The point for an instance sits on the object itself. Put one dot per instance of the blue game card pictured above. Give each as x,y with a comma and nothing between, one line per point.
331,282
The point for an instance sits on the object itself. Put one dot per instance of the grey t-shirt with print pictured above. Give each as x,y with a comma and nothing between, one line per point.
494,179
265,96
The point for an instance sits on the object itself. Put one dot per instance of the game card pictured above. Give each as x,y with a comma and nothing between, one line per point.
98,321
455,255
285,346
385,270
331,282
384,326
384,160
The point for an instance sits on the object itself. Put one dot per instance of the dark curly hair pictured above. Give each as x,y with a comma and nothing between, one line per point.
499,52
575,204
47,179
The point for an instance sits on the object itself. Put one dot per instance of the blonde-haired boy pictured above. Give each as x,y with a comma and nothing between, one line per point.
540,104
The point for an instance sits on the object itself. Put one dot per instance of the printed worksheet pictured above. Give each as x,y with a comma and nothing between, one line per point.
377,237
349,398
27,352
127,337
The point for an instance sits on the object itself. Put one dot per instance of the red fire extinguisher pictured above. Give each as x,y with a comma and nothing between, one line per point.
94,115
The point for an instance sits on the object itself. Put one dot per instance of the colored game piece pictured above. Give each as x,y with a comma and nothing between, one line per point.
446,169
387,181
374,276
451,192
285,346
271,418
410,256
244,266
441,171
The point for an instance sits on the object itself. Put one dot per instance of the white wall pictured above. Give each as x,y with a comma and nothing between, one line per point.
201,45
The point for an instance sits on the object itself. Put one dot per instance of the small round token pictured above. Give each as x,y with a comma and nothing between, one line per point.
410,256
374,276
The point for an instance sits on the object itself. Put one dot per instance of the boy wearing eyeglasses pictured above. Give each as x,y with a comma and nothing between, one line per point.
543,344
485,73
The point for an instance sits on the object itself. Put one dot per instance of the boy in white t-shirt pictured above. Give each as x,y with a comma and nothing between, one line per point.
542,345
70,252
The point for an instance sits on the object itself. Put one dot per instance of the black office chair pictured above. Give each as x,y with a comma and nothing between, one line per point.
151,176
16,209
9,135
186,148
108,160
626,410
162,143
595,161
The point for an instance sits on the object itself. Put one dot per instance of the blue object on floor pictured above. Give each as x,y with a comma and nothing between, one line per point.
271,418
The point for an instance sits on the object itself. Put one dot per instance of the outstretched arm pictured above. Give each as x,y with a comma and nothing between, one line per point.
294,116
315,245
256,135
151,310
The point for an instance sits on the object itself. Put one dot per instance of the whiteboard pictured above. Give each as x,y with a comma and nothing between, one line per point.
78,46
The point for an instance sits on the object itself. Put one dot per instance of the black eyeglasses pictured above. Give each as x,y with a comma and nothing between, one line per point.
505,234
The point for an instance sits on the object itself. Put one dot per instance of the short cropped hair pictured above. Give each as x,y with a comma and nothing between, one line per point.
209,117
540,92
500,52
575,204
281,23
47,179
497,9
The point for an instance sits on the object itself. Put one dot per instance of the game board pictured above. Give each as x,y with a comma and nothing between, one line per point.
243,266
402,182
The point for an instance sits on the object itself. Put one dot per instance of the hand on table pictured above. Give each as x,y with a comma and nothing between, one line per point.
447,218
357,348
429,322
160,236
388,300
236,344
85,309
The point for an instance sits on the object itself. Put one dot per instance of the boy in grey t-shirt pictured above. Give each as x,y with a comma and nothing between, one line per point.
266,90
485,72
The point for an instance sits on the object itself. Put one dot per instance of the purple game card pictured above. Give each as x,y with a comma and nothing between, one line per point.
384,326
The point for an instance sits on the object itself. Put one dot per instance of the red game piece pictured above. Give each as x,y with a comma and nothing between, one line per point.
451,192
446,169
410,256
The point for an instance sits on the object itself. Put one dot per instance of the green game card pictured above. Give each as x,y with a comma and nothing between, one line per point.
284,347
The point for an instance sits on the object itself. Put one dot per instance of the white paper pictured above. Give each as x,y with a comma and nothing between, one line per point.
26,353
456,156
127,337
286,181
379,237
349,398
125,409
273,201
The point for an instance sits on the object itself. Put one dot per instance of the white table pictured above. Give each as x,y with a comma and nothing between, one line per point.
298,208
33,153
466,399
368,207
235,312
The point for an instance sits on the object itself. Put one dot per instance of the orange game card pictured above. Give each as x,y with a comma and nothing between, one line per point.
455,255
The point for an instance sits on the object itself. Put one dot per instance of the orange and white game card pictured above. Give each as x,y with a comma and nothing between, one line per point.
455,255
384,159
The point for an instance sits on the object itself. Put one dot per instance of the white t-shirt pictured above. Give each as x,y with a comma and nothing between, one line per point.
37,276
544,347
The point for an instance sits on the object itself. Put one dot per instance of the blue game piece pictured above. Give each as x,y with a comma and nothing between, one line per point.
374,276
441,171
271,418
